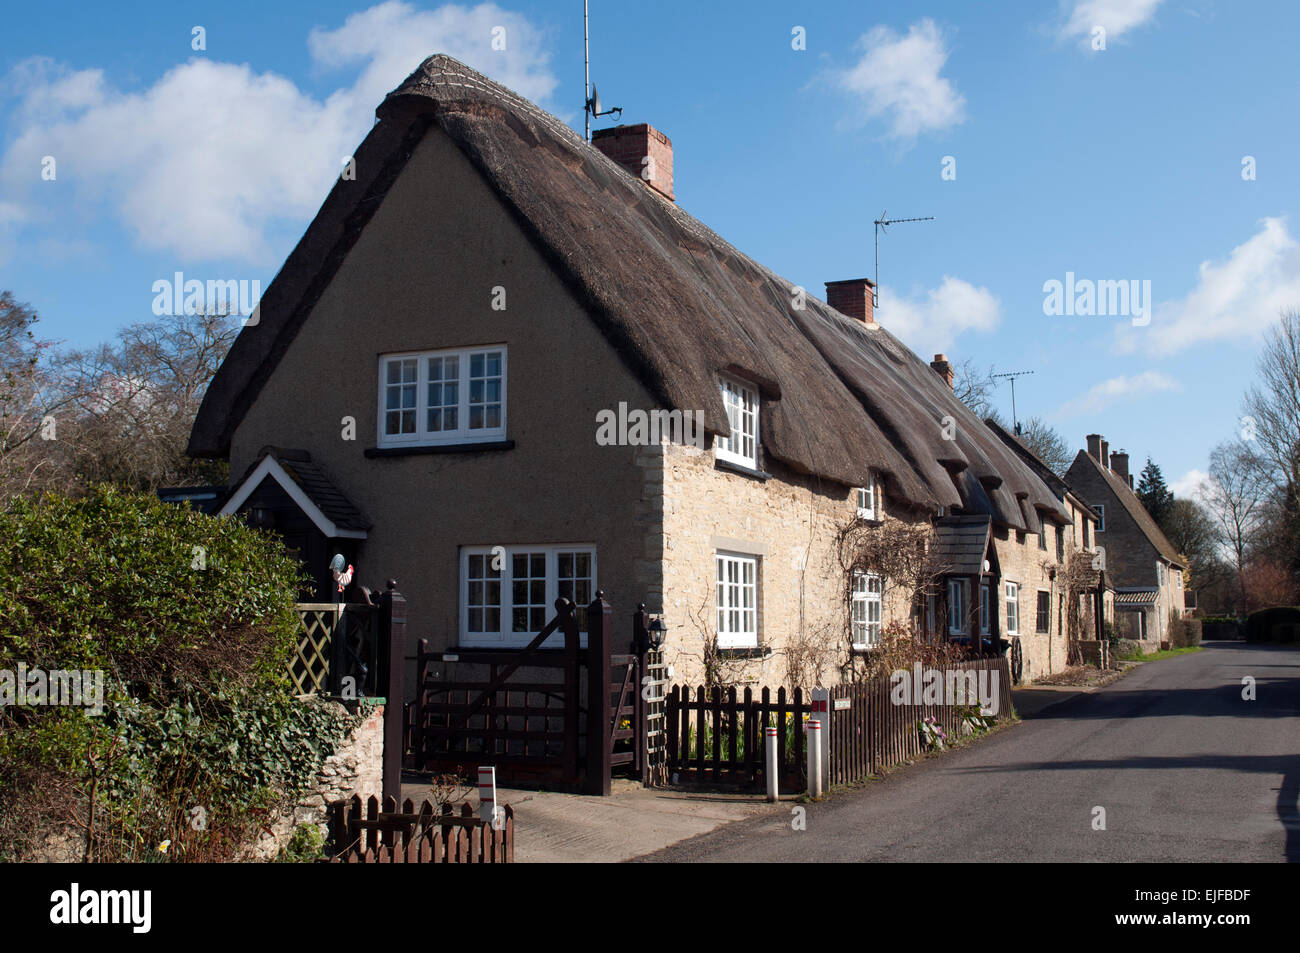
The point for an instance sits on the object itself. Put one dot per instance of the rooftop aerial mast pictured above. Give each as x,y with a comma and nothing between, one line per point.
591,98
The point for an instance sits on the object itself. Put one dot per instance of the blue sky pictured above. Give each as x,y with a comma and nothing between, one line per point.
1122,163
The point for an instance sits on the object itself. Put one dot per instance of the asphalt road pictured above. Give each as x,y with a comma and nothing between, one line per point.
1185,769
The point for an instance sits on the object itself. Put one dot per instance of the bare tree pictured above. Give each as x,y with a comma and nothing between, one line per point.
137,399
1235,495
33,396
1273,407
975,388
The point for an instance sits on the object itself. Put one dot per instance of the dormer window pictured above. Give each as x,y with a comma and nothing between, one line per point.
442,397
868,499
741,447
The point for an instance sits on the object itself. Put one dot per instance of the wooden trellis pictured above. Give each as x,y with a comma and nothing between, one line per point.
310,666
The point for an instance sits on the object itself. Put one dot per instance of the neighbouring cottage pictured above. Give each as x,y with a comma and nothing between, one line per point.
1146,569
446,346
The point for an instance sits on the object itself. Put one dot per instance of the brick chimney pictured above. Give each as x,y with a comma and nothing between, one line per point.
943,368
1094,447
852,297
643,150
1105,453
1119,465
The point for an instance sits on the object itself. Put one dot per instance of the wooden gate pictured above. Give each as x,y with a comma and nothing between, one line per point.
516,709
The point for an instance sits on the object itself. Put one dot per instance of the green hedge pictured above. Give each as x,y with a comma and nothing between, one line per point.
191,619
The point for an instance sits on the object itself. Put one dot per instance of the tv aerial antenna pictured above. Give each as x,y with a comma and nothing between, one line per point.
1015,427
591,105
880,224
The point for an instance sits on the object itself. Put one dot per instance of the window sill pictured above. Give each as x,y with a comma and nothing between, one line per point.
757,652
421,449
743,470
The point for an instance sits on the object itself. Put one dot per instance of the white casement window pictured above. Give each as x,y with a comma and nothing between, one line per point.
869,499
1013,608
508,593
868,588
1160,573
737,601
1101,516
984,609
741,446
958,606
438,397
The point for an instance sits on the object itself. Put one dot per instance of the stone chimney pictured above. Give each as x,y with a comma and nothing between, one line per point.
852,297
643,150
1119,465
1094,447
943,369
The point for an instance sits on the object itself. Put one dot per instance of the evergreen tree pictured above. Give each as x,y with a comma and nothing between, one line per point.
1154,494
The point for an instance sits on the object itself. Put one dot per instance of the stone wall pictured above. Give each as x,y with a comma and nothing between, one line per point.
790,522
355,768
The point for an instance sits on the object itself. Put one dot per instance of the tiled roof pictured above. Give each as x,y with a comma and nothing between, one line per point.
960,543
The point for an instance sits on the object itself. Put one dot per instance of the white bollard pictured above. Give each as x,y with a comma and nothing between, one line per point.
771,770
814,743
487,794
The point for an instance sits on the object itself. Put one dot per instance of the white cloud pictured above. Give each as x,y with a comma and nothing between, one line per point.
1191,485
1108,392
214,156
930,323
1234,299
898,78
1116,16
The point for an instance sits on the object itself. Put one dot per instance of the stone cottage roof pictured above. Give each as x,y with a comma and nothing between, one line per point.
1132,505
678,303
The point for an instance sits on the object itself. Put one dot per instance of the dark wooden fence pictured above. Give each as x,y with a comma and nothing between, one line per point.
717,736
870,732
364,834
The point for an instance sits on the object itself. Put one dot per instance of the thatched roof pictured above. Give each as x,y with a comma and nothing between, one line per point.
678,303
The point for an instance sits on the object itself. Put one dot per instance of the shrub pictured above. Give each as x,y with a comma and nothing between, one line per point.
1278,624
191,619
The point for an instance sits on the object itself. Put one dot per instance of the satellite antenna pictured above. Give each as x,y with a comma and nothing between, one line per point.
591,105
880,224
1015,427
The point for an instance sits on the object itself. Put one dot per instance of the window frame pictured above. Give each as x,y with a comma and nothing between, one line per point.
869,598
1013,605
986,614
1101,516
872,489
723,445
1043,617
504,636
959,607
423,437
742,638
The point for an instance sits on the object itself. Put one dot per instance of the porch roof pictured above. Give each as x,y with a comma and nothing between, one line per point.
960,543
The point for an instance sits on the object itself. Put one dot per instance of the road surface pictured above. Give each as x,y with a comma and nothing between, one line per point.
1184,768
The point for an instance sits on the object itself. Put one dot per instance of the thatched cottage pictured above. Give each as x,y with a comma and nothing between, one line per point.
436,367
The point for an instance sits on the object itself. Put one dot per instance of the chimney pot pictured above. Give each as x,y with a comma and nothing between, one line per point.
853,298
643,151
